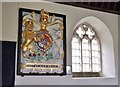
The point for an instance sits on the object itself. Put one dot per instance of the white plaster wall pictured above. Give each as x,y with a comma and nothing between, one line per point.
107,45
74,14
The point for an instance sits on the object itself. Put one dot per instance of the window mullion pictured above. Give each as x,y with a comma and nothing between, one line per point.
100,56
91,55
81,57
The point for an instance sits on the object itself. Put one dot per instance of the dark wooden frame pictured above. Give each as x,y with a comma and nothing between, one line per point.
20,40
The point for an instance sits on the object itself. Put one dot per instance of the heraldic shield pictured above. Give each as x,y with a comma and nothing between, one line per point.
41,43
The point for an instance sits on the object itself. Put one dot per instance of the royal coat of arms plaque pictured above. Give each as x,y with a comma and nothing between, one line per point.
41,43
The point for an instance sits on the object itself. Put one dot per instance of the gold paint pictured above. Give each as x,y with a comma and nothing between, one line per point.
62,55
51,69
23,66
43,20
29,35
33,69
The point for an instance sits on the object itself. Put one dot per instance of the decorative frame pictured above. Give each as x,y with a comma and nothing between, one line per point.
41,43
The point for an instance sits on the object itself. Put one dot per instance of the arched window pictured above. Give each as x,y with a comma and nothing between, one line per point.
86,52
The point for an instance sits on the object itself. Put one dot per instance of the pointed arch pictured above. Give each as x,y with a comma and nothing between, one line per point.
85,43
106,47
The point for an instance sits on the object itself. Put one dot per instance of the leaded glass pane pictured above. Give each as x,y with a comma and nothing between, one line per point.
95,54
96,68
94,41
85,46
74,40
76,67
75,43
76,60
85,40
76,46
95,45
86,68
85,52
73,52
86,59
96,60
77,53
73,60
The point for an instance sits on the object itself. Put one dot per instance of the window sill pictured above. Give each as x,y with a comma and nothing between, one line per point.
90,75
87,78
86,74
